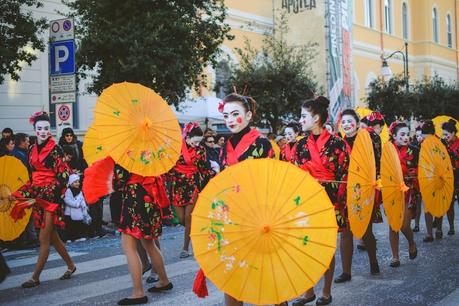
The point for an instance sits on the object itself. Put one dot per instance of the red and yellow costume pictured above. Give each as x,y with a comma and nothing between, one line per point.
326,158
47,184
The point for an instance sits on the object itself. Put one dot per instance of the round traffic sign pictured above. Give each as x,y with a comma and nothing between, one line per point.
55,27
63,112
67,25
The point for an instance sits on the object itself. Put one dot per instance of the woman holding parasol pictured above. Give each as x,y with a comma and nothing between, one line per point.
325,156
48,180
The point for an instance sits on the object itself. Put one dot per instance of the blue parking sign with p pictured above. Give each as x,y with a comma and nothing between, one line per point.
62,57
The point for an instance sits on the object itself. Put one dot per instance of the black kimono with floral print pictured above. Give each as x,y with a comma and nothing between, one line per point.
334,157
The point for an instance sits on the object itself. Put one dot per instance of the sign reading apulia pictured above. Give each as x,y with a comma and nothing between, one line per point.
297,6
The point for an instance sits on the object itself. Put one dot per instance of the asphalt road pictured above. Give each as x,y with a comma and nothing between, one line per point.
102,277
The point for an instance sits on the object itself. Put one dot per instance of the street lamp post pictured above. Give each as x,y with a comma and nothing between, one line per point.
386,71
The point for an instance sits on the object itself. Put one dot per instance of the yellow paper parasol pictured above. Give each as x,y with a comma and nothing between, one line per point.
361,184
435,175
439,120
13,174
264,231
92,145
138,129
363,112
393,187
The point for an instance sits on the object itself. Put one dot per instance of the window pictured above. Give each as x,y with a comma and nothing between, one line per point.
388,16
369,16
435,25
449,34
222,74
405,20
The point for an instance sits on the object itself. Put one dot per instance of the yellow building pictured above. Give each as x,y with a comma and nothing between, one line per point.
381,27
378,28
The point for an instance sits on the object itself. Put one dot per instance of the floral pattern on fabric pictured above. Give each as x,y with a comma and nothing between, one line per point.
409,157
334,157
377,149
184,188
140,214
261,148
49,160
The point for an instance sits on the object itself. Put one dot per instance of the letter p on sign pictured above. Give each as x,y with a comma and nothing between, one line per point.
62,57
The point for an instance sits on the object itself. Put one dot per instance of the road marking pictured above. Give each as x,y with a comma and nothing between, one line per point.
54,273
32,260
77,293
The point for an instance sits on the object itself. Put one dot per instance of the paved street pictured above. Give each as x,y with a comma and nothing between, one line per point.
102,277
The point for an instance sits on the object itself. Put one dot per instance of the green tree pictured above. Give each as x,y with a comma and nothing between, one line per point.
426,98
161,44
19,36
279,76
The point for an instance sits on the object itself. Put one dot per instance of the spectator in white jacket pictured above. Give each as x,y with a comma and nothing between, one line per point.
75,210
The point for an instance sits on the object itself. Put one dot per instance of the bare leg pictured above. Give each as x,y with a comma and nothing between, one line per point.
129,244
394,240
142,255
45,241
429,222
450,215
186,240
346,249
157,261
180,211
60,248
370,242
406,229
326,291
417,216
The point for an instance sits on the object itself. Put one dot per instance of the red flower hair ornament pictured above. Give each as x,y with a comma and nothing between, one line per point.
221,104
189,127
35,115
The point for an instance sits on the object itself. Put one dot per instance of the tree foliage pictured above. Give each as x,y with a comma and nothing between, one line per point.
279,76
427,98
161,44
19,36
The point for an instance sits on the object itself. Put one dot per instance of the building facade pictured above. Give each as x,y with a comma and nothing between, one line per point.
356,32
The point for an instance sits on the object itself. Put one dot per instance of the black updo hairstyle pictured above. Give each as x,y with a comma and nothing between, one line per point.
318,106
42,117
351,112
247,102
449,126
395,128
428,128
195,132
295,126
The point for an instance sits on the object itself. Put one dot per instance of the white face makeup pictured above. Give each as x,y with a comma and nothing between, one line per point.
349,125
42,131
419,136
193,141
290,135
307,120
377,128
447,136
235,116
402,137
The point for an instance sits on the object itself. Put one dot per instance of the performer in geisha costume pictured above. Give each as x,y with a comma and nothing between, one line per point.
187,178
325,157
452,143
144,200
288,150
409,155
48,179
350,123
244,143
